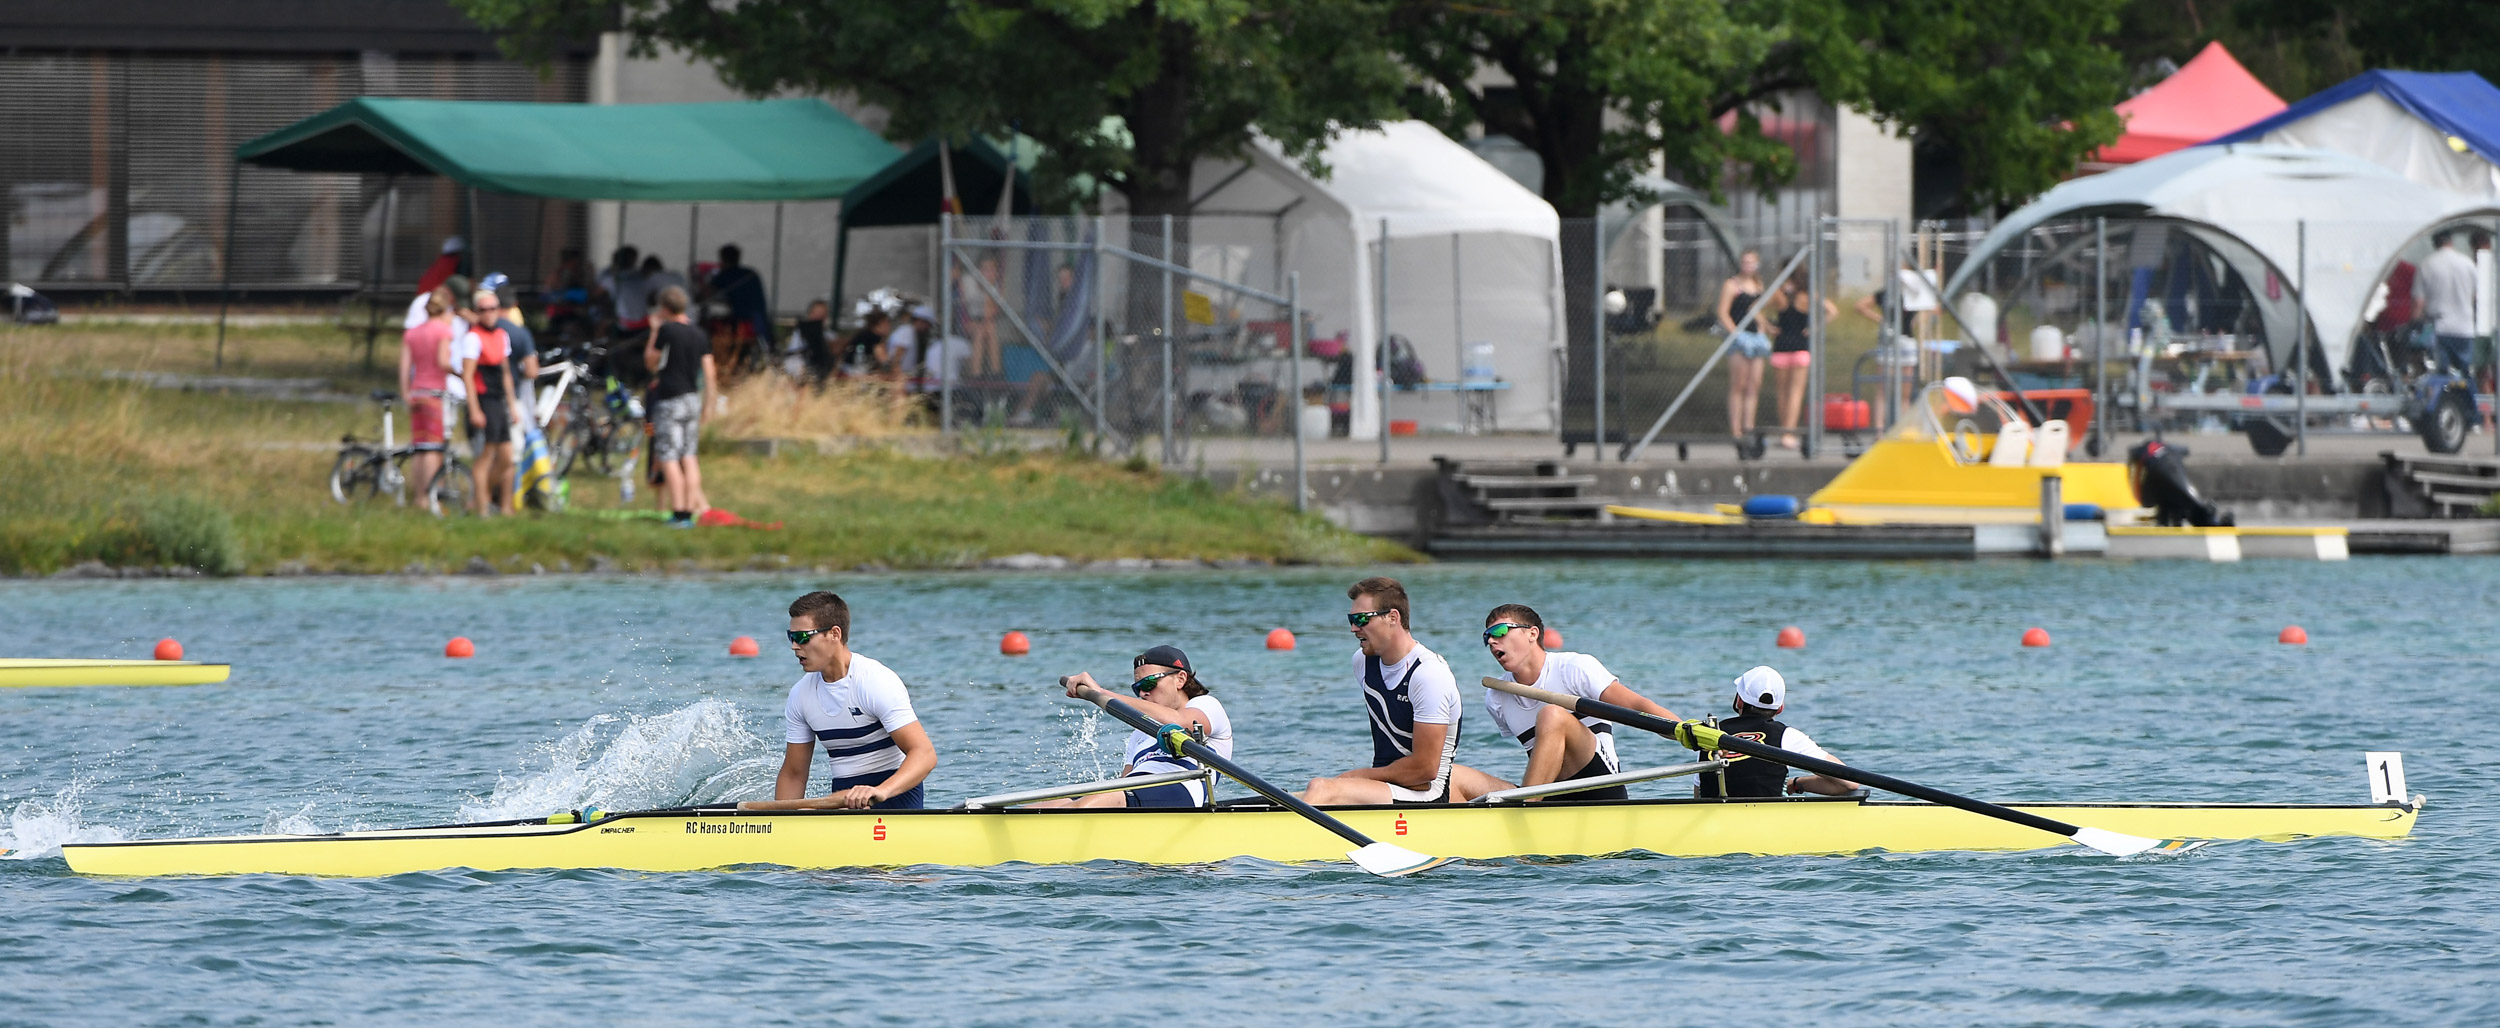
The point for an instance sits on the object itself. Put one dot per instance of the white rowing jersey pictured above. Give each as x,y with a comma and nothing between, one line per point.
1565,672
854,717
1416,690
1143,749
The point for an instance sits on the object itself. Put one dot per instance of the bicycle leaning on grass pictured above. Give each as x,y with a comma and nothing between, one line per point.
365,471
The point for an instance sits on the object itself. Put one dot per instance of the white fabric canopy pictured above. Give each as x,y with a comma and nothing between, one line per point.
2372,127
1471,252
2360,216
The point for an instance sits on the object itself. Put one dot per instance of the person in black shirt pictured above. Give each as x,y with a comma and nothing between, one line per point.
682,380
1791,356
1760,696
864,354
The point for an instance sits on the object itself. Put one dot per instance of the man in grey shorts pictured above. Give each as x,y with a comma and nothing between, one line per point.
682,377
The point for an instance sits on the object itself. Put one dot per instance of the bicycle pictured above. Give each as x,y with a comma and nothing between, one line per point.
602,421
364,471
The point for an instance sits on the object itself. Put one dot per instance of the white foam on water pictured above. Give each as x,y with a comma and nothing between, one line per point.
299,822
698,753
1083,753
38,828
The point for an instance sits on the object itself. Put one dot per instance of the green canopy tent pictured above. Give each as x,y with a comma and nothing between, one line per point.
911,191
760,150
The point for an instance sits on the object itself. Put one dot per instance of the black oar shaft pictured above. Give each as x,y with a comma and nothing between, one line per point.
1205,754
1663,726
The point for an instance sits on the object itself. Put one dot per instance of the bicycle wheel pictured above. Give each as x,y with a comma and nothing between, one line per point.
450,493
356,475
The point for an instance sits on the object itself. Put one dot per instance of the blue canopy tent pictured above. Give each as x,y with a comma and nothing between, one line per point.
2441,129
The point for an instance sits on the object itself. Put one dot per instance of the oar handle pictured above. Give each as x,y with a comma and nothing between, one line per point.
1700,736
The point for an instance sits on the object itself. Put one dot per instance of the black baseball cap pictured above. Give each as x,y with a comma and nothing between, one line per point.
1167,656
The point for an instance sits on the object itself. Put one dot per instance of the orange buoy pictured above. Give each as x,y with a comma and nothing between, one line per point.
1552,639
459,646
167,649
1792,638
1014,644
743,646
2035,637
1279,639
2292,635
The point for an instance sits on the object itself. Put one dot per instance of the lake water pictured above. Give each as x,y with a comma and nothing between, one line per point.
2164,683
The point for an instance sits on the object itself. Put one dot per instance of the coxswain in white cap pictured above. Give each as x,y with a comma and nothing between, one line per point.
1760,696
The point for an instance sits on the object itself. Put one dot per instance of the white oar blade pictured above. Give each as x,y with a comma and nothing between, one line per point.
2116,844
1389,861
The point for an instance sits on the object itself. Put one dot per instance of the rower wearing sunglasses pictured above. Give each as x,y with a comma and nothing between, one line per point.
1561,747
1413,702
1167,690
858,710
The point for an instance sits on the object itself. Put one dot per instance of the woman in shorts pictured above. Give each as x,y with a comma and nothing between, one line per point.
1747,348
1790,356
424,357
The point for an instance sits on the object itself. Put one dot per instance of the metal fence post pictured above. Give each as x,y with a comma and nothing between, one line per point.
1380,350
1597,333
1102,322
1813,400
2100,337
946,322
1293,314
1167,339
1886,341
2300,345
225,263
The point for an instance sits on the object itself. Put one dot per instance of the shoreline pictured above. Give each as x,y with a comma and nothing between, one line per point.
479,567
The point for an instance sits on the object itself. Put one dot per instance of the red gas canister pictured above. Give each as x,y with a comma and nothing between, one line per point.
1844,413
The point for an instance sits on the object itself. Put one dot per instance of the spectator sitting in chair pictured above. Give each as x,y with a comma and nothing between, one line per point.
743,289
864,354
809,353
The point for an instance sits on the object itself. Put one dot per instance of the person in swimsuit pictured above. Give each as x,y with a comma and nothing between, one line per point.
1790,357
1561,746
1167,690
1747,349
1412,700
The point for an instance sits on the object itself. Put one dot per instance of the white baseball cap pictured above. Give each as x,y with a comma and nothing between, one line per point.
1762,687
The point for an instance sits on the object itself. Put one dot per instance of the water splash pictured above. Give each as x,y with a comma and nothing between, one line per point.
698,753
299,822
38,828
1082,752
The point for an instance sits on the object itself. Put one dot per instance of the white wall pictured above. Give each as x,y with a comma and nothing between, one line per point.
1871,180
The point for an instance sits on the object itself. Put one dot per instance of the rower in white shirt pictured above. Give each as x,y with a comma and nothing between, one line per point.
1412,700
1166,689
1561,746
858,710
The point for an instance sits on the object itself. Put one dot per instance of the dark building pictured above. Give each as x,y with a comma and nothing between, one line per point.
119,119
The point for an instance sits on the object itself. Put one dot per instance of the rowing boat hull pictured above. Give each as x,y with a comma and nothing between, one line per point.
700,840
15,672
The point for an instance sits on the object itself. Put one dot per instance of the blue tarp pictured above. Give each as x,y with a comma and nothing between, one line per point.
2459,103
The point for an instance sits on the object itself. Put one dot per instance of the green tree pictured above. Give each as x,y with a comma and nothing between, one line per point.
2004,94
1129,92
2294,60
2423,35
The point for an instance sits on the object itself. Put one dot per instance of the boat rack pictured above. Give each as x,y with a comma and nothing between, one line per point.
1650,774
1062,792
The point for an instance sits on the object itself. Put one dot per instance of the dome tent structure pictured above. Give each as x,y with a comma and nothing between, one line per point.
2248,203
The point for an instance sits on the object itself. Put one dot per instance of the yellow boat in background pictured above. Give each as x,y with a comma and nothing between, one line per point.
38,672
1964,457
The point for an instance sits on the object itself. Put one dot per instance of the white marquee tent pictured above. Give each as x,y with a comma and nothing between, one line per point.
2441,129
1473,257
2248,202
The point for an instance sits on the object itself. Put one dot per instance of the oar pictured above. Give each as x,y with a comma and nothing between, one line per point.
1380,858
1698,736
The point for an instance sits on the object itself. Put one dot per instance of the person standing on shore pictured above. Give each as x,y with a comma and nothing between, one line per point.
858,709
424,360
682,381
1791,353
1747,348
2448,298
1412,699
486,365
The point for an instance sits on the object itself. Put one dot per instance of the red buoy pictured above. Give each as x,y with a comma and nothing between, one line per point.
459,646
1792,638
2293,635
2035,637
1014,644
1279,639
743,646
1553,638
167,649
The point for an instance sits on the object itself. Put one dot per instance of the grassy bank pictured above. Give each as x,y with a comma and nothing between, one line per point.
110,470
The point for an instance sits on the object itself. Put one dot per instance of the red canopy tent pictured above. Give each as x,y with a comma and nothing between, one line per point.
2210,96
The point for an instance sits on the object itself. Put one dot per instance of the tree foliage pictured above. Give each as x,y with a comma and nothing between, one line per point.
2421,35
1128,92
2009,93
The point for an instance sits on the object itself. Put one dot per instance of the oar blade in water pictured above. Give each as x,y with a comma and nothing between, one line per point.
1390,861
2116,844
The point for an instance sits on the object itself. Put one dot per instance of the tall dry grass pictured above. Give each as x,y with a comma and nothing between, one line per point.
776,406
